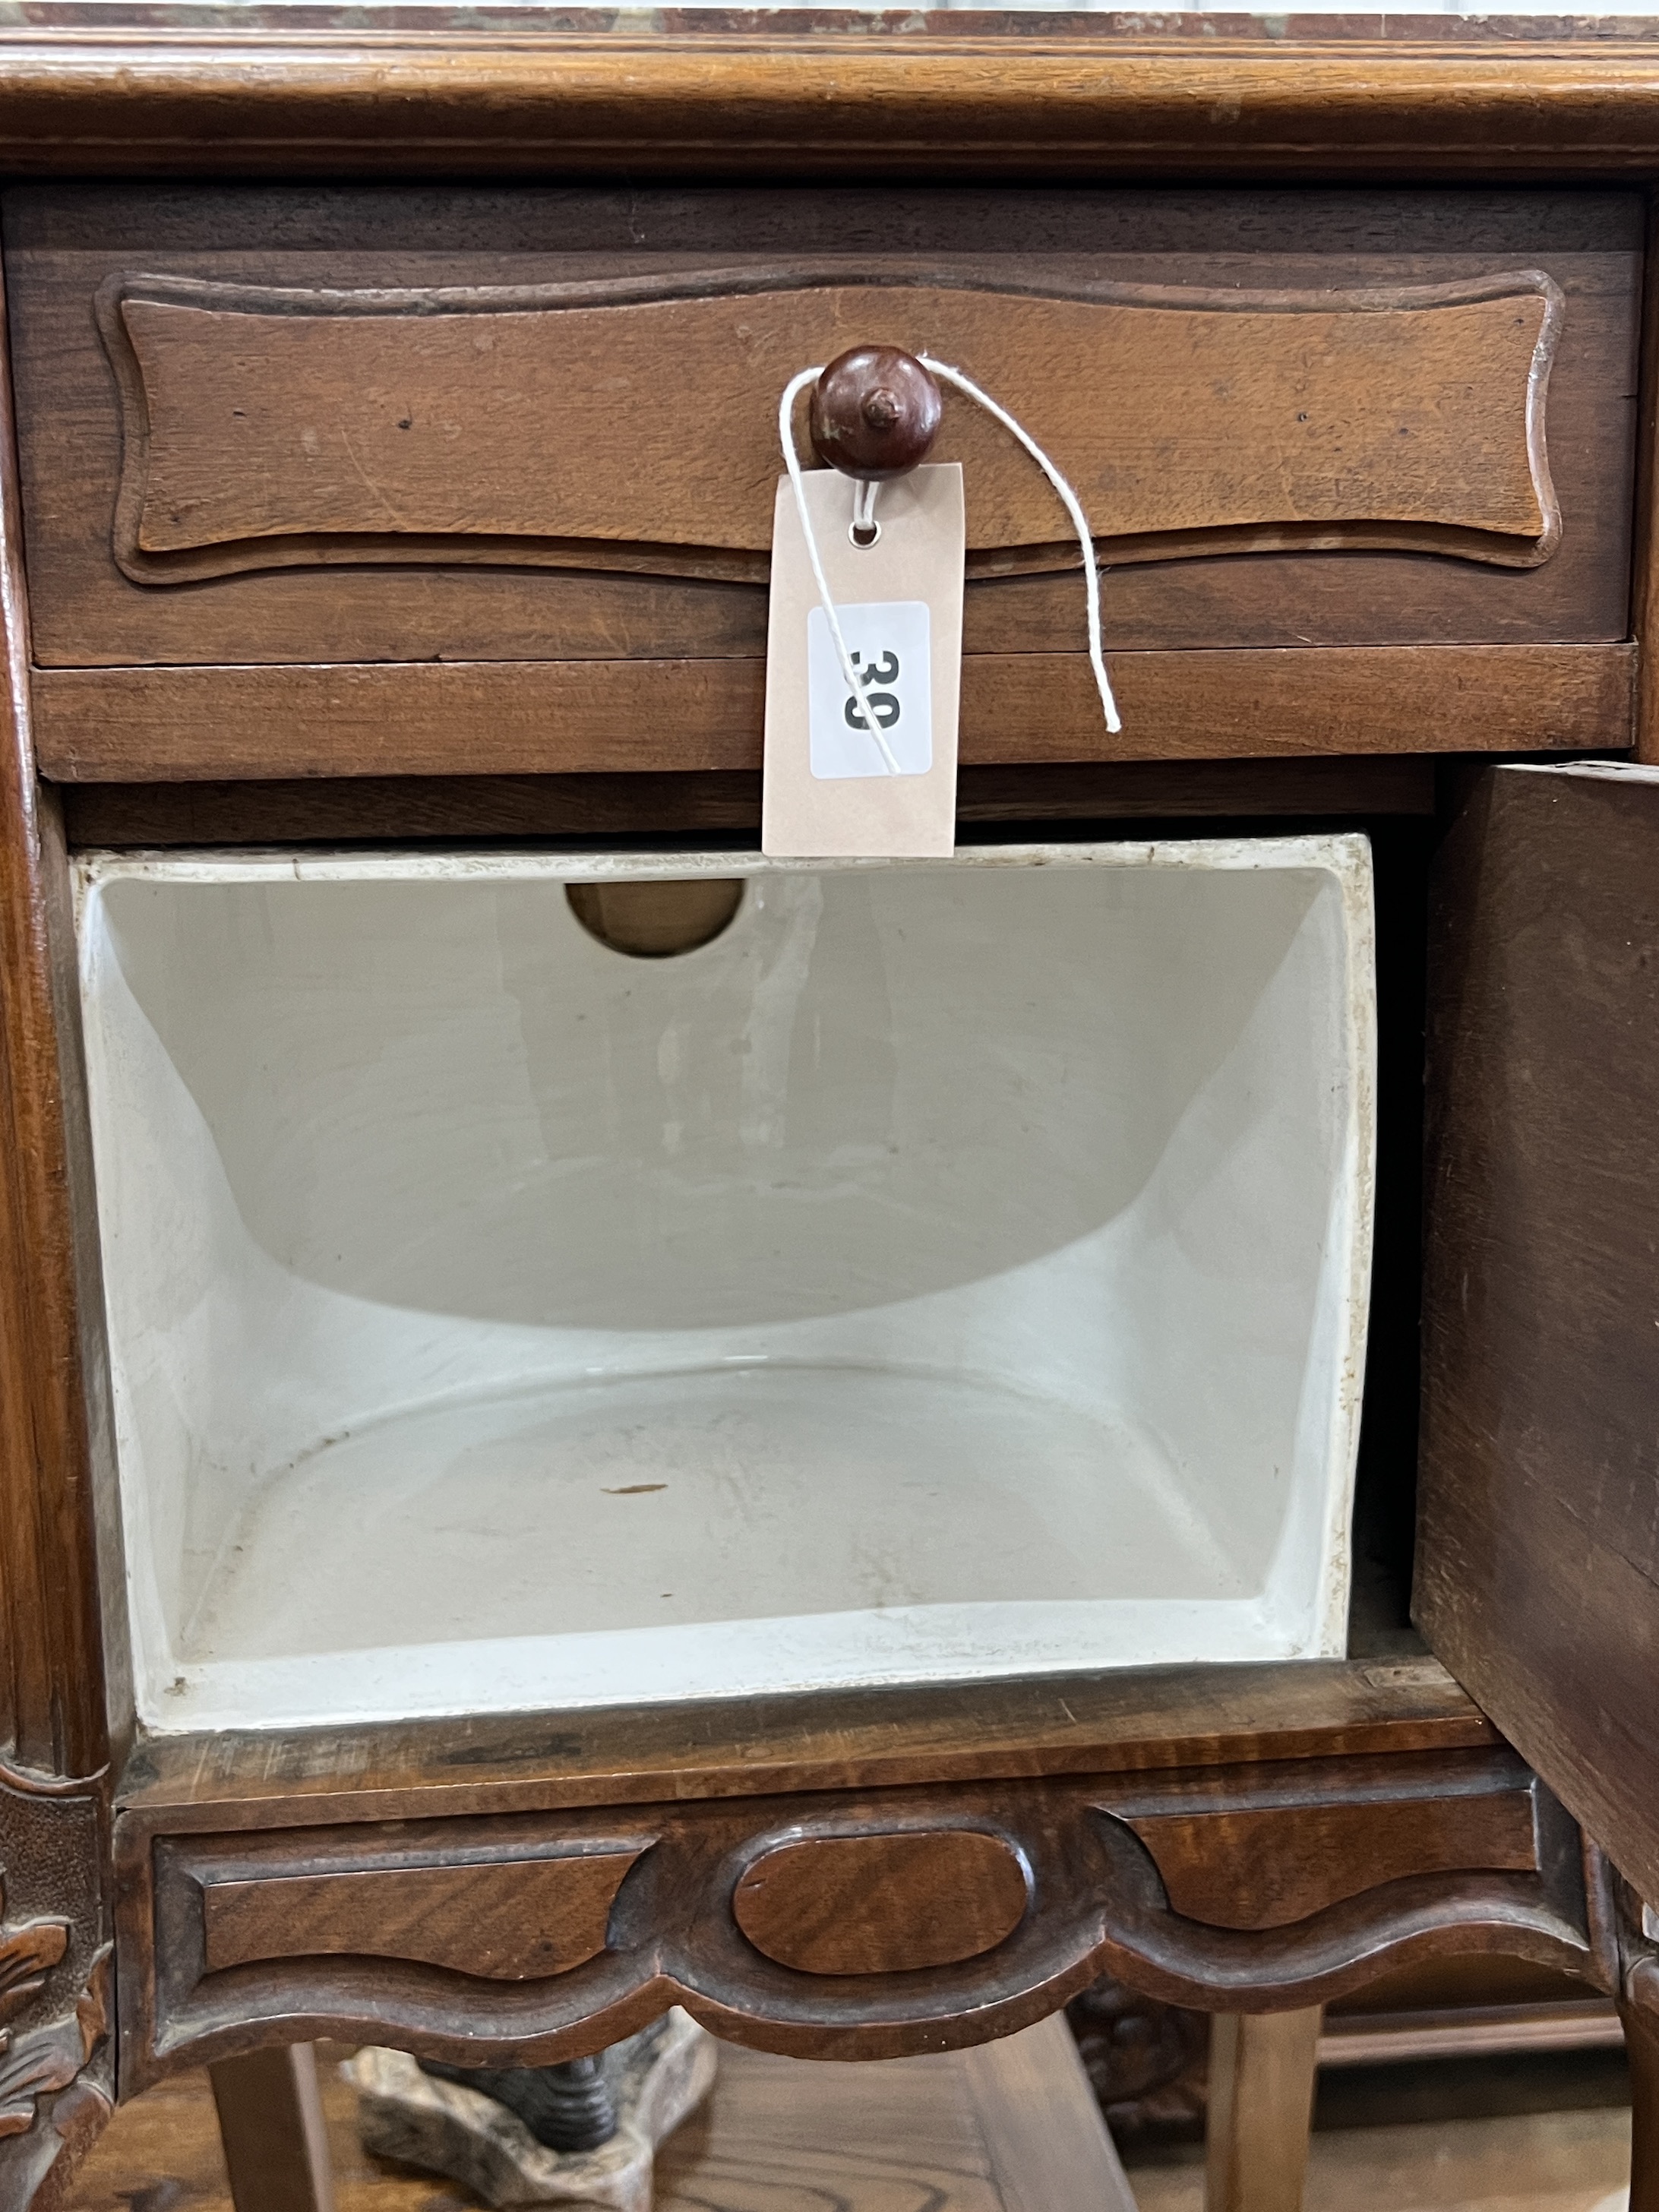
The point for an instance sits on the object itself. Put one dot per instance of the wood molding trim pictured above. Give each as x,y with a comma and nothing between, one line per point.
814,94
523,717
629,422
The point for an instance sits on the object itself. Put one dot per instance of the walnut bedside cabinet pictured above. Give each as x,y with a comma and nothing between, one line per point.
589,1421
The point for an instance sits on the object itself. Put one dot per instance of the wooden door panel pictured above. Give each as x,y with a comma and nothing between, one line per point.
1538,1552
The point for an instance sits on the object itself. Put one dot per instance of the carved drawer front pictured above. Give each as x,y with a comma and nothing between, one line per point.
536,436
852,1923
618,423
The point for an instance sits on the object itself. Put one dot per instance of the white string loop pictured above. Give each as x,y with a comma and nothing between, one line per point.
866,720
1073,507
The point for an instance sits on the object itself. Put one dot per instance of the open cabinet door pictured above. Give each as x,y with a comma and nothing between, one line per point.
1538,1534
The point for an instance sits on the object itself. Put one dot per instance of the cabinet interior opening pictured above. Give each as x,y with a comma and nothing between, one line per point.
942,1270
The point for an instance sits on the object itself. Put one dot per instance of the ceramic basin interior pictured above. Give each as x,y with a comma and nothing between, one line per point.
951,1269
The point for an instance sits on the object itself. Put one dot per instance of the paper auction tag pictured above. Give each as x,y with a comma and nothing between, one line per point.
876,777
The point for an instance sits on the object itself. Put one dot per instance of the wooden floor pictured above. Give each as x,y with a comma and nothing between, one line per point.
930,2135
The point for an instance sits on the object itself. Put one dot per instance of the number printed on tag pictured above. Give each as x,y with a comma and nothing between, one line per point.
890,646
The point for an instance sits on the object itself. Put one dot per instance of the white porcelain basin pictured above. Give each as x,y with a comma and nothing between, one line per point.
953,1269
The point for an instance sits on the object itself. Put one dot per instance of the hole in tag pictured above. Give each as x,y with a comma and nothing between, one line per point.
864,534
656,921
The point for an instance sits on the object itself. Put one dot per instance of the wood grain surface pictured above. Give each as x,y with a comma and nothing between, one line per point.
1010,2127
1268,1867
168,725
1261,2110
507,1919
631,422
1040,2124
62,243
882,1904
1538,1550
1127,1721
272,2131
1083,96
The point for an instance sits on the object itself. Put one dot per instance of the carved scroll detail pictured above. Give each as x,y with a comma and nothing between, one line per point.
28,1953
47,2058
630,423
55,1982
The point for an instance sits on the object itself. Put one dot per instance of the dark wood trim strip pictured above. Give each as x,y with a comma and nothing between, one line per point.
347,810
526,718
815,94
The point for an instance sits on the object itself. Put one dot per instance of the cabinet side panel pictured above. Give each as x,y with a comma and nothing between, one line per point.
1537,1540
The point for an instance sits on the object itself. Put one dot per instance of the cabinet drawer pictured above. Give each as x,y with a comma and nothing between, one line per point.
824,1924
347,429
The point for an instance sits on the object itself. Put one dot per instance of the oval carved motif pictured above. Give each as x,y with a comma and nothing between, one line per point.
882,1904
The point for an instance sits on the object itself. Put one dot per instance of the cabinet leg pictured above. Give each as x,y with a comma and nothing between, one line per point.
270,2121
1262,2085
1642,2048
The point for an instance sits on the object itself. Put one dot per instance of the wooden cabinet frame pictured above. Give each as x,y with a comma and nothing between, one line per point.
1237,1837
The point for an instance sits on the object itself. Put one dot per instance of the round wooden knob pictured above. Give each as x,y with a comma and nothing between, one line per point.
875,412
